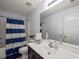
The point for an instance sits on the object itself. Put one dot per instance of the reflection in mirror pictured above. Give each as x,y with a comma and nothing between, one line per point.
71,29
62,25
50,26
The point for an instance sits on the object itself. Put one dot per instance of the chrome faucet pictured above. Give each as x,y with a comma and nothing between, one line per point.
53,45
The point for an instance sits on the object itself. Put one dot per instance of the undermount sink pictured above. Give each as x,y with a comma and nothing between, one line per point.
47,48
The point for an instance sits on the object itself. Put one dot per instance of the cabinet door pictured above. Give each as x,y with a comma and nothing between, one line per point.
37,56
30,53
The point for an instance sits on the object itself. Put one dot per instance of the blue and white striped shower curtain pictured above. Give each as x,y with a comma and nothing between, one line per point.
15,37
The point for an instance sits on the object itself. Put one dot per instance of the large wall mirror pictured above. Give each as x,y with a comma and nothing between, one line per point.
62,23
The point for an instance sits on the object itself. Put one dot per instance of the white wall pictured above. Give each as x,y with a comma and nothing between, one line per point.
34,17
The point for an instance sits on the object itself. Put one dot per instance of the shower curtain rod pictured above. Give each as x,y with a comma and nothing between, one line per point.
5,16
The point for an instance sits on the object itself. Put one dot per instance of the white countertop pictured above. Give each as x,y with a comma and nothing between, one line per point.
54,54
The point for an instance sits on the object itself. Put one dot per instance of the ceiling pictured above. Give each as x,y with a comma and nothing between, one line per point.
18,6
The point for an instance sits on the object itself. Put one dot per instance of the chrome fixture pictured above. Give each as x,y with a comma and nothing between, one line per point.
54,45
50,3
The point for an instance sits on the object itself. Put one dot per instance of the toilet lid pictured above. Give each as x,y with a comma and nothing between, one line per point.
23,49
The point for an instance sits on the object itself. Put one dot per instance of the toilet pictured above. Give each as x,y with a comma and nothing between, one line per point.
24,51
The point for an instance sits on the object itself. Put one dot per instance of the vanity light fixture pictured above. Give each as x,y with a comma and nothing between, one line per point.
72,0
54,2
51,2
28,3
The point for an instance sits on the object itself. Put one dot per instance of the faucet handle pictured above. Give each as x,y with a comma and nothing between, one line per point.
51,44
56,44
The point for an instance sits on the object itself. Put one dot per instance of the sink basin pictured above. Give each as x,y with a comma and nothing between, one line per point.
47,48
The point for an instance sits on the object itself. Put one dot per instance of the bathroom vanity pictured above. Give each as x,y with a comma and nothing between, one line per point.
60,21
43,51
